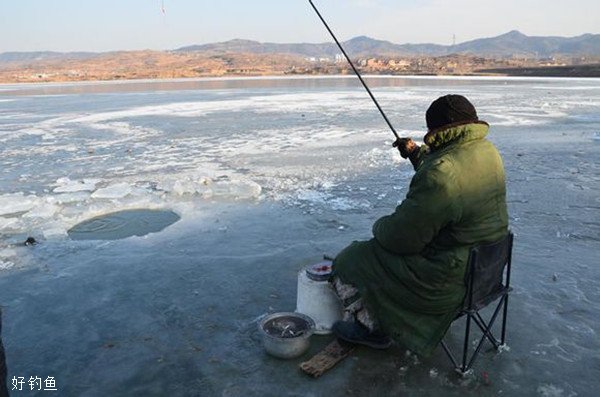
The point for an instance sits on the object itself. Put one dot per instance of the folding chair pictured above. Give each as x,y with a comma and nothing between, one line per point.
485,281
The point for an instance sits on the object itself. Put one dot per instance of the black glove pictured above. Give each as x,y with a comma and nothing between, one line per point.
406,147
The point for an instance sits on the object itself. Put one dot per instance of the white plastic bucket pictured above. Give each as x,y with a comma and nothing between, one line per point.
317,300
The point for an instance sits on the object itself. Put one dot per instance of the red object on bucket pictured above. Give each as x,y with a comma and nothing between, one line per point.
319,271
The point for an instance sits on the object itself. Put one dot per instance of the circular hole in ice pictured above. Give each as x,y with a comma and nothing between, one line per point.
123,224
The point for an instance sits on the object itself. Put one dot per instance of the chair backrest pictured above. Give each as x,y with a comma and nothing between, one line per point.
485,272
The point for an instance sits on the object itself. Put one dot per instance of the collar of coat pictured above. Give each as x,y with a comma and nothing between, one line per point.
458,132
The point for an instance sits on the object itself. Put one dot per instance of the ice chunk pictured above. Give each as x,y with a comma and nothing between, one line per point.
68,198
165,185
327,184
5,264
203,188
378,157
54,230
16,202
312,196
6,222
182,187
66,185
206,187
188,185
239,189
346,204
115,191
45,210
7,258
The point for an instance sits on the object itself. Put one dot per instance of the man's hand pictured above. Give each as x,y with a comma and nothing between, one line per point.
406,147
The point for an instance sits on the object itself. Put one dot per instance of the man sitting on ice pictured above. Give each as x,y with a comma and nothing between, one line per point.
407,282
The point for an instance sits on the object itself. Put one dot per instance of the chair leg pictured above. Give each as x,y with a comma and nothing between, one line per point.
475,353
449,354
467,362
485,328
466,344
503,335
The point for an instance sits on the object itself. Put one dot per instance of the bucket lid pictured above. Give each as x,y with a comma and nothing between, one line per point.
319,271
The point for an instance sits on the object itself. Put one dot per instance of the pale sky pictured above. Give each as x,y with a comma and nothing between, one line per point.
93,25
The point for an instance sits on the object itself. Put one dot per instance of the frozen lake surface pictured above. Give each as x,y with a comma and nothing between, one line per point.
267,175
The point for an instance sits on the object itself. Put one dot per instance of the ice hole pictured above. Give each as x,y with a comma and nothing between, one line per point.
123,224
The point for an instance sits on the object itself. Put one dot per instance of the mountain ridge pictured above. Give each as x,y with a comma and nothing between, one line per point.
510,44
513,43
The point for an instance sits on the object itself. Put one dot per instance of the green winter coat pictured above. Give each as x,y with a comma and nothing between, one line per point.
411,274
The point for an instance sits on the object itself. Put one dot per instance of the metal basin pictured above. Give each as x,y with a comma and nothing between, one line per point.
286,334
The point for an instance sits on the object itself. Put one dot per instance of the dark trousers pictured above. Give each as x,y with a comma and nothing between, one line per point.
3,385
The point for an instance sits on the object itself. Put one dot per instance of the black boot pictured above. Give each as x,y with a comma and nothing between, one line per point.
355,332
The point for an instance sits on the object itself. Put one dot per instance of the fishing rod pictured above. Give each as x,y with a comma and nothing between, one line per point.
357,73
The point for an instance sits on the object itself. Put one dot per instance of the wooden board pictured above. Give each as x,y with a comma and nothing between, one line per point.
327,358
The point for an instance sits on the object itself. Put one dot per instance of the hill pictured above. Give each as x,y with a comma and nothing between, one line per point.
496,55
515,43
507,45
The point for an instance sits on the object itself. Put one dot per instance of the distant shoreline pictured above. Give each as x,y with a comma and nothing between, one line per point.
168,65
243,82
583,71
550,73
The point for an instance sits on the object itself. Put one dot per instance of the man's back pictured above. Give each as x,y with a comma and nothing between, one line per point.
473,171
